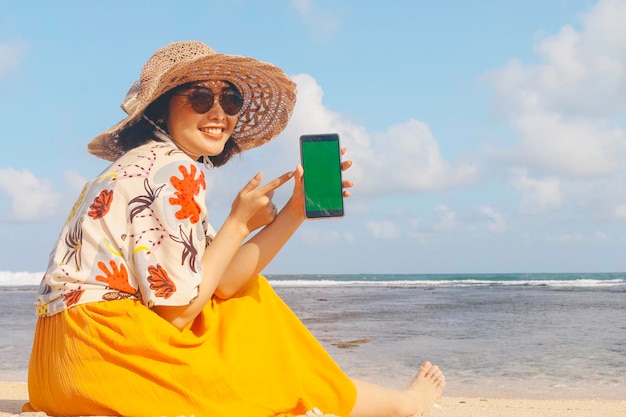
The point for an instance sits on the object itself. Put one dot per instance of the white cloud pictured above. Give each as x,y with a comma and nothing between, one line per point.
580,72
11,53
415,232
383,229
349,237
570,148
496,221
565,106
404,158
407,157
620,211
601,236
304,7
538,196
75,180
317,237
322,23
566,238
445,219
32,198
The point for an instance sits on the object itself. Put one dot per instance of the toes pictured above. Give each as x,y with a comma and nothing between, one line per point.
424,368
433,372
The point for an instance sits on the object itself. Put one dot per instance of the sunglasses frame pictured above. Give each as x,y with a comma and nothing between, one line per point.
198,104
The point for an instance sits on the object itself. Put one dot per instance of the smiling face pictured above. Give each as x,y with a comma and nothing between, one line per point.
200,133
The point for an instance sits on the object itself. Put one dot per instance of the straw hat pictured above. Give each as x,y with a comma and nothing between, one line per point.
269,95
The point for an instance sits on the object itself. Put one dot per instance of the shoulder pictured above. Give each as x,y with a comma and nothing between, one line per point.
156,160
154,151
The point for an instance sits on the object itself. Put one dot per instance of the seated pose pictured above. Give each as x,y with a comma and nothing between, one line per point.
145,310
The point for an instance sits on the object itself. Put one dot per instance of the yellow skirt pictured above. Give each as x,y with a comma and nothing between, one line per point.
246,356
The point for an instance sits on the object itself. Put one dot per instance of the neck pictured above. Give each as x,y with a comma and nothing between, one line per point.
163,135
161,132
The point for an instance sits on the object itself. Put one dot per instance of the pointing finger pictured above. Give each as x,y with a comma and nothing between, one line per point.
275,183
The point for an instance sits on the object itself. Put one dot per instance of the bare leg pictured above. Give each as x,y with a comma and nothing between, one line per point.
376,401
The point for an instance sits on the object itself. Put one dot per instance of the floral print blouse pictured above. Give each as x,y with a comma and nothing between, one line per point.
137,230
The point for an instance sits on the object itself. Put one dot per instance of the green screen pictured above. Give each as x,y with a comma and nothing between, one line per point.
322,176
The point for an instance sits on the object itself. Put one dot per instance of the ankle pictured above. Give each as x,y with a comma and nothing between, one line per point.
408,406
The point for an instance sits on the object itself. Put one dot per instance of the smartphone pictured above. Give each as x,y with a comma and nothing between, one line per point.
321,160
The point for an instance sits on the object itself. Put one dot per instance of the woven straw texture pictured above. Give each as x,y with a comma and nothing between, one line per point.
269,94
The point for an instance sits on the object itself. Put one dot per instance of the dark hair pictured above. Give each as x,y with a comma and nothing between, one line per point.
143,131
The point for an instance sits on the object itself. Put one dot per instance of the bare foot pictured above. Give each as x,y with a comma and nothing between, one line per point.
426,388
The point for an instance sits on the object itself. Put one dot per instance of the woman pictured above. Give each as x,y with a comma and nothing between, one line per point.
144,310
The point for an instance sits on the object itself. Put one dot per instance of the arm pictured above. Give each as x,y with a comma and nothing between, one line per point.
227,264
259,251
251,209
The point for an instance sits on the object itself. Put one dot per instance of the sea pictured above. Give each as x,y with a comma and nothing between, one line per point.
543,336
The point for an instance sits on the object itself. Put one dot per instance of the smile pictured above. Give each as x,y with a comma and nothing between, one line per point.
212,130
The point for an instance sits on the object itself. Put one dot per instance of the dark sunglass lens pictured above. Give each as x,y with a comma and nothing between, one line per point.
231,102
201,100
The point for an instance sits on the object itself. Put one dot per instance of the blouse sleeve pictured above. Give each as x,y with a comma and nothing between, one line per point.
168,227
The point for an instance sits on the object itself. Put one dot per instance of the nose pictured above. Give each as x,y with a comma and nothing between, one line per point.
216,112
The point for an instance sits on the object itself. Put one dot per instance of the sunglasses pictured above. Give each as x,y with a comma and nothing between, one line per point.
202,100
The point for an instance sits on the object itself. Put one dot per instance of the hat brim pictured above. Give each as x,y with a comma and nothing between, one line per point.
269,98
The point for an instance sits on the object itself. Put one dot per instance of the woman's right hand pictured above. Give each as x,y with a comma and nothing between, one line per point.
253,206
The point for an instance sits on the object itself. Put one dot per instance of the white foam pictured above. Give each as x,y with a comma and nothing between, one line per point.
449,283
15,279
18,279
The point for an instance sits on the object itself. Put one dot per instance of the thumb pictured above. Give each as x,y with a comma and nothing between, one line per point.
299,173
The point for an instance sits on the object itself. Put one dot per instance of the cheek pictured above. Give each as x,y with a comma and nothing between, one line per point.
232,122
178,118
171,120
173,125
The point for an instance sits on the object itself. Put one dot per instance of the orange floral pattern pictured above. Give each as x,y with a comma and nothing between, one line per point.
160,282
72,297
101,204
116,277
186,189
138,230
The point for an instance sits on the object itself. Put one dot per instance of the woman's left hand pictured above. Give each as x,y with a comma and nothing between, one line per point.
345,165
254,255
296,203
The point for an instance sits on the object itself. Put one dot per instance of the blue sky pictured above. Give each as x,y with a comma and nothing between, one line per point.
486,138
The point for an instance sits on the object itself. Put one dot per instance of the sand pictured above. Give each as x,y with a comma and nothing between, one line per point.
14,394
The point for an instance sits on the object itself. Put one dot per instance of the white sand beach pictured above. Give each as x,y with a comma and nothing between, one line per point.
14,394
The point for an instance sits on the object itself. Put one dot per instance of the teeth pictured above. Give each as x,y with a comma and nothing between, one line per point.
212,130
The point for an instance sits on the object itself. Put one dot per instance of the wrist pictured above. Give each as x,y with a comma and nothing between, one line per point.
294,210
235,228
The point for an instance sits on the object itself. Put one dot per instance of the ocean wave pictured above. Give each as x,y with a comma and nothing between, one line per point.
19,279
450,283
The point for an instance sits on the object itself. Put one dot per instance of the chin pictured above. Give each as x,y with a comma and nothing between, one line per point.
213,152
